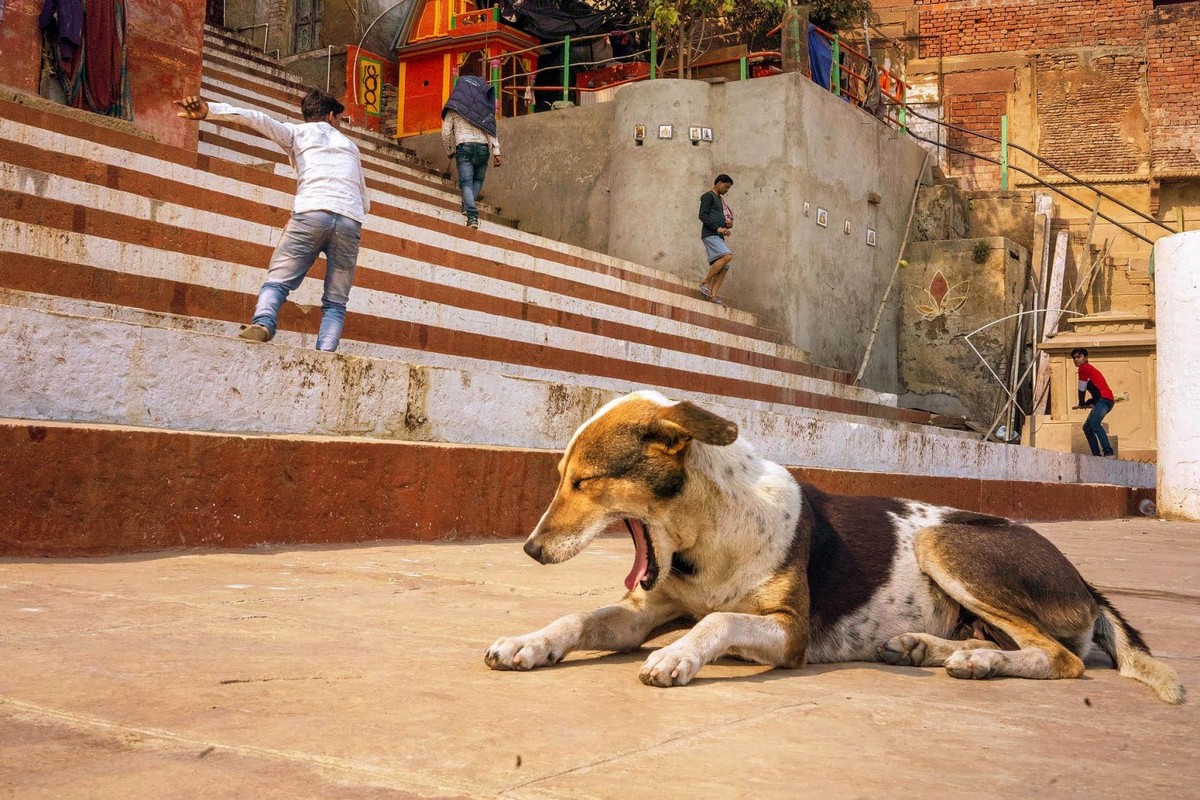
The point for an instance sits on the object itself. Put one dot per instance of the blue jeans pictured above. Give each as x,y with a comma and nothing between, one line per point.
1097,439
471,160
307,235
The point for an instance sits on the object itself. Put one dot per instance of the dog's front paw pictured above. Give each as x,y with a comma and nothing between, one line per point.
521,652
975,663
670,666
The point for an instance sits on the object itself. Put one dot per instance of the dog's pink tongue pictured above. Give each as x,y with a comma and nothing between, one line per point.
641,562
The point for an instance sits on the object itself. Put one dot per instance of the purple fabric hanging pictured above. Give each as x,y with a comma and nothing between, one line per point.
69,16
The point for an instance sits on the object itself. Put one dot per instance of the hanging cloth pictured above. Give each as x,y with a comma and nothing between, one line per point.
87,56
873,99
66,17
105,79
820,57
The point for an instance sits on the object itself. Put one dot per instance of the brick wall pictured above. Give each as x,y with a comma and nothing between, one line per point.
1173,67
964,27
979,112
1091,113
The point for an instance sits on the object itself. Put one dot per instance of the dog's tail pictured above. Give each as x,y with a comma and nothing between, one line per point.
1129,652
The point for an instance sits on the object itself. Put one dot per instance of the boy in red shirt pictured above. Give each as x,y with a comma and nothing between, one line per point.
1091,382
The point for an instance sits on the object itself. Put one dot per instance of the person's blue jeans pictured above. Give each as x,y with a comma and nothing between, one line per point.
307,235
471,160
1097,439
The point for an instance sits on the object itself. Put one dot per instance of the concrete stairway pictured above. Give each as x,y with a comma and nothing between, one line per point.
139,421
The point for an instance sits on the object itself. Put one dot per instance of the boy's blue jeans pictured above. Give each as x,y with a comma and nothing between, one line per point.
1097,438
307,235
471,160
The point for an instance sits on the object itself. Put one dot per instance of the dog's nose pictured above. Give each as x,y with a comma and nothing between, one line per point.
534,551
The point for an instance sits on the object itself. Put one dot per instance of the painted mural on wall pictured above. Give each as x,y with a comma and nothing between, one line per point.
944,299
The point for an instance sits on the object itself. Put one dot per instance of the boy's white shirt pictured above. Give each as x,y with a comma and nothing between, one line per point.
457,129
329,175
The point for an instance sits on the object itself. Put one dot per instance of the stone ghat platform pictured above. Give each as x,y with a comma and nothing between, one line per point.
357,672
102,489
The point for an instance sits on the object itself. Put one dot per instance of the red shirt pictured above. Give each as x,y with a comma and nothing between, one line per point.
1091,380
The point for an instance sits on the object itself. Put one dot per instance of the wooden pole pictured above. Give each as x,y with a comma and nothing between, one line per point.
892,281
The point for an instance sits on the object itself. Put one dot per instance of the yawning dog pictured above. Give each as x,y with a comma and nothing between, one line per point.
782,574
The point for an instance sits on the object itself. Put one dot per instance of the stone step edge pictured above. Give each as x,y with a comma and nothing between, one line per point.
95,491
61,321
300,342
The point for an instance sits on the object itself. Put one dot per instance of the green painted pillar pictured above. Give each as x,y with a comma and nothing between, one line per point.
835,74
653,52
742,68
566,68
496,83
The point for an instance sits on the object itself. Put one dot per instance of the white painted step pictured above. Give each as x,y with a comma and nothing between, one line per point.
102,371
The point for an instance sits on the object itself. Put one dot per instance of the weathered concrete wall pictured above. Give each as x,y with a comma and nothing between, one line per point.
579,176
164,42
556,173
1007,214
942,212
950,288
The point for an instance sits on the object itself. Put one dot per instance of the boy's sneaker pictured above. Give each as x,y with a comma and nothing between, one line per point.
473,223
704,290
719,301
255,333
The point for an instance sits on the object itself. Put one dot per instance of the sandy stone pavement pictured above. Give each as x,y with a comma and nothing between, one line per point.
356,672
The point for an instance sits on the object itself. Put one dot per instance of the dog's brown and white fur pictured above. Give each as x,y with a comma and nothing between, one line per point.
781,574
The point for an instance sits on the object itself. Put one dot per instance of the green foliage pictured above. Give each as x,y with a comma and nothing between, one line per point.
839,15
754,19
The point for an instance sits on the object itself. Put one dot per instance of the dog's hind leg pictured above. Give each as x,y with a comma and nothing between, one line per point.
1018,582
619,627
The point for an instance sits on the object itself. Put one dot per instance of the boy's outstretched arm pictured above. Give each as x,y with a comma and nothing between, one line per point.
194,108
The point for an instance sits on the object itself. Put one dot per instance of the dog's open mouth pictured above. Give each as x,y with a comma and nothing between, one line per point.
645,565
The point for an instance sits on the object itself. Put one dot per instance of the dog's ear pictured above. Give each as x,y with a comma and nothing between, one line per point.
678,424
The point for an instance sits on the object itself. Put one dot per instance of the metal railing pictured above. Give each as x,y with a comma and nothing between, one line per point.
850,72
1005,164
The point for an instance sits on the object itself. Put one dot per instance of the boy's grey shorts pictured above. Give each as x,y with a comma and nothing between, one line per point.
715,247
